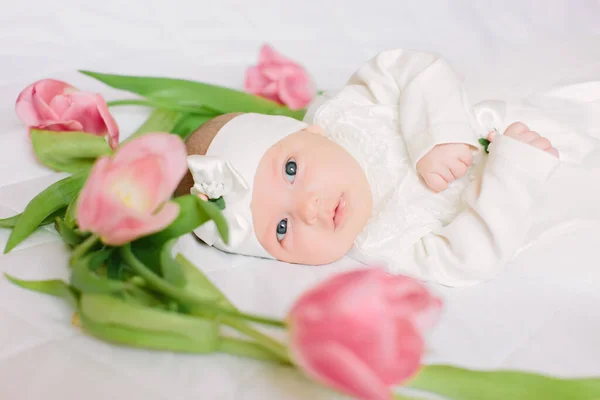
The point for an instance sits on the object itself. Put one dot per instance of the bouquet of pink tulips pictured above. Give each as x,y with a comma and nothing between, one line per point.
361,333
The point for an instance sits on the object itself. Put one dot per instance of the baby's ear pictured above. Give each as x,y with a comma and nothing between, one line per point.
315,129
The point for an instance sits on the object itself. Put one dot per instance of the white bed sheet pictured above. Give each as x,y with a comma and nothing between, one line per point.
540,314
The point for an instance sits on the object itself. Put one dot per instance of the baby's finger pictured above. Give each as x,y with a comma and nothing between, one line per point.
466,158
458,169
435,181
492,135
541,143
445,173
527,137
515,129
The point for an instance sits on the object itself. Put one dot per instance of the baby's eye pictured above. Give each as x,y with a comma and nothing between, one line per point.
281,229
290,170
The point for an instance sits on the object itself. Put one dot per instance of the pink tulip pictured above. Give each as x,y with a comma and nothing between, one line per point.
280,79
126,195
57,106
361,332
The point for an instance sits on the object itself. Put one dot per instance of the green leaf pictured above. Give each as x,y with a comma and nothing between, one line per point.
53,198
70,217
171,270
198,283
11,222
216,216
159,104
86,281
70,236
178,123
247,349
100,257
193,212
188,93
68,151
139,296
117,321
219,203
185,296
160,120
464,384
188,123
485,143
53,287
115,268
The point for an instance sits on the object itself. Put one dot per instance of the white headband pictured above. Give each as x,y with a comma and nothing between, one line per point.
228,169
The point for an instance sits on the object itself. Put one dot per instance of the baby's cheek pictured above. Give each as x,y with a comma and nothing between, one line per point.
317,248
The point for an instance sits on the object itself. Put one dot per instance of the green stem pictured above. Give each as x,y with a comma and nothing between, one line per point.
132,102
398,396
142,296
267,342
243,348
157,104
83,248
185,296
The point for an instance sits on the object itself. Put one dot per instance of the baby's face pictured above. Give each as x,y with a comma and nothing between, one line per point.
311,199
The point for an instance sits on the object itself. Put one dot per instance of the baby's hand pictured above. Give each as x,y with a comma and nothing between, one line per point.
519,131
444,164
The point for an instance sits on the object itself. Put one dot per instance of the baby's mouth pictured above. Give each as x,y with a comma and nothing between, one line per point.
339,212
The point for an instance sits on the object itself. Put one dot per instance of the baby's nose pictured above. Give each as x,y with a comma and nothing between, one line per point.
309,209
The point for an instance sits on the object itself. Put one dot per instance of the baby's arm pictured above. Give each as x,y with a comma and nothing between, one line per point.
432,103
476,244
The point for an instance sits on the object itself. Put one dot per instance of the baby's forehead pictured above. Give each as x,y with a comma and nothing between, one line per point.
300,138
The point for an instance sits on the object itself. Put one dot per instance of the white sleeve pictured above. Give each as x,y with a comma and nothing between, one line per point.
431,100
477,243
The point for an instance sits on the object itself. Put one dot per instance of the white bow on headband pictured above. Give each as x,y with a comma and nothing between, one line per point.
215,177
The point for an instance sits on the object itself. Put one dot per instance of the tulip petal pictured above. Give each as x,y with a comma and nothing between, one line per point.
268,55
255,81
87,213
336,366
25,109
109,121
406,359
271,92
84,109
43,109
296,91
279,79
120,198
133,226
409,299
172,150
45,90
139,184
326,293
358,311
60,104
279,71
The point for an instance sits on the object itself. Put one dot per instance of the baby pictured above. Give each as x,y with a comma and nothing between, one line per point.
389,170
